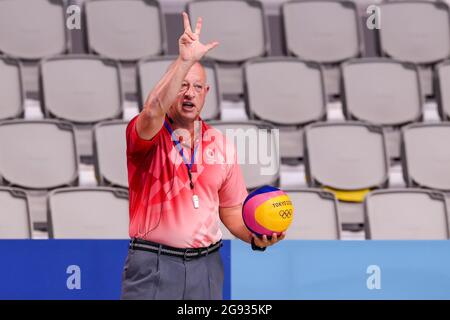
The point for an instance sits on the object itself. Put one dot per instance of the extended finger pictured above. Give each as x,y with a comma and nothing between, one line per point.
187,24
211,45
198,26
191,35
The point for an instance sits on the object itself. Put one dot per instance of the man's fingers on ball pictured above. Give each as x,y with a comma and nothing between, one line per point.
274,238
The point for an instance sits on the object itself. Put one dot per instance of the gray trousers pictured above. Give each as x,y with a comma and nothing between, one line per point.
150,276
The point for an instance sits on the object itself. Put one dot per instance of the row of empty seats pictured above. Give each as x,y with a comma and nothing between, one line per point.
87,89
339,155
325,31
286,92
102,213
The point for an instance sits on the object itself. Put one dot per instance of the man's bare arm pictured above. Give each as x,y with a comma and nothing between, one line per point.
158,102
232,219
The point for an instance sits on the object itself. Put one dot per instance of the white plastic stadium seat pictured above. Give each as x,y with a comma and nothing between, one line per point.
409,214
239,26
257,150
426,155
315,215
110,153
125,30
325,31
81,88
299,98
442,91
415,31
346,155
88,213
14,214
32,29
383,92
12,95
38,154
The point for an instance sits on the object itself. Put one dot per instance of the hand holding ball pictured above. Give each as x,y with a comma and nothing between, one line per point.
267,210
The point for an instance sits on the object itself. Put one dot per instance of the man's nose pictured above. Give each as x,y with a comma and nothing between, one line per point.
190,92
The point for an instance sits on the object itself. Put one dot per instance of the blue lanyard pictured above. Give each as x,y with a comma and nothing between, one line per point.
180,151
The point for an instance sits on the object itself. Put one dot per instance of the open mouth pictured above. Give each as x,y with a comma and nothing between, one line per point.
188,105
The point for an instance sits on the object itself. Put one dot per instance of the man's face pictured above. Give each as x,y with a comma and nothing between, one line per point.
192,95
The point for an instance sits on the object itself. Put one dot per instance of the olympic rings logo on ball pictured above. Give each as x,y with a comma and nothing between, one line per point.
285,213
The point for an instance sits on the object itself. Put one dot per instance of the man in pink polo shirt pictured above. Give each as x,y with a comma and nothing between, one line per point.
183,179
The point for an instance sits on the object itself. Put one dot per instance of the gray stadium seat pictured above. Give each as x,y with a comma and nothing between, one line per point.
426,155
12,95
442,89
285,92
345,155
348,159
151,70
315,215
110,153
81,88
38,154
415,31
125,30
409,214
32,29
239,26
14,214
325,31
383,92
257,149
88,213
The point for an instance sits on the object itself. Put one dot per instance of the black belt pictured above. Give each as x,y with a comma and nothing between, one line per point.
189,253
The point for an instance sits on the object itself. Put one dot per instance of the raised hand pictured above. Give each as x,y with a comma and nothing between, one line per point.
191,49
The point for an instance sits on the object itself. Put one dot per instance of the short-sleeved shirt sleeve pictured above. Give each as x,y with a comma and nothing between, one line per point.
136,146
233,190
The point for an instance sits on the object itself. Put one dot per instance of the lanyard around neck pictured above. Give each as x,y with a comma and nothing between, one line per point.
177,144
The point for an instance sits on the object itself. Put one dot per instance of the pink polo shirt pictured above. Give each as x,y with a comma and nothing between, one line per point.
161,204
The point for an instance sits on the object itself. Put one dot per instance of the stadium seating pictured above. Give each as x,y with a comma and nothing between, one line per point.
81,89
415,31
325,31
408,214
248,22
14,214
347,158
315,216
110,153
151,70
33,29
125,30
88,213
259,166
383,92
40,154
426,155
288,93
442,91
12,95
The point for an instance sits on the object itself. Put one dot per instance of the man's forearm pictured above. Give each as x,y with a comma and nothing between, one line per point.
160,99
167,89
